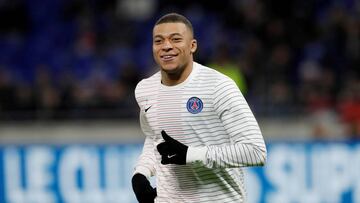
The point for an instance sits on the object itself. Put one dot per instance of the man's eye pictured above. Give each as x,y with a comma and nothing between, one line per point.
176,39
157,41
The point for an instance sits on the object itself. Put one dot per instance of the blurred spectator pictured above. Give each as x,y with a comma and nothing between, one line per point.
84,58
223,63
140,10
47,97
7,91
349,107
277,81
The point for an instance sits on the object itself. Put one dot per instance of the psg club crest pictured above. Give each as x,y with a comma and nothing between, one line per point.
194,105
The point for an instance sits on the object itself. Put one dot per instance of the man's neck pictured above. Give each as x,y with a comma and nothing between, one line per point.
171,79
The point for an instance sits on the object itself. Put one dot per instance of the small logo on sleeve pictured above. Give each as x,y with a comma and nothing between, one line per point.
194,105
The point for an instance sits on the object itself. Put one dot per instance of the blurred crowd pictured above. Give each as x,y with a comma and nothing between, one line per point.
62,59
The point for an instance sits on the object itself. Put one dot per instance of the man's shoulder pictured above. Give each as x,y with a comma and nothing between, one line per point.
151,80
210,74
146,85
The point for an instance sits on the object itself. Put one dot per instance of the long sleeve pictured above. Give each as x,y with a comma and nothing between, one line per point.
246,146
146,162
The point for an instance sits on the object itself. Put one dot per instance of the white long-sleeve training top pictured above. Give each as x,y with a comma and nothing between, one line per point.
208,113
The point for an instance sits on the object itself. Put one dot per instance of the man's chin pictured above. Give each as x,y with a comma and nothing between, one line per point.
170,69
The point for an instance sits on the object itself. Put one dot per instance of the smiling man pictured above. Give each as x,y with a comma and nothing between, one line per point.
173,48
199,129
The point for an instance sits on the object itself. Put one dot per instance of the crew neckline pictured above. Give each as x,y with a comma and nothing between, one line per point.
191,75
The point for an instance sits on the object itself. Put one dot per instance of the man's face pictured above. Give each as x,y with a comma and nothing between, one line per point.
173,46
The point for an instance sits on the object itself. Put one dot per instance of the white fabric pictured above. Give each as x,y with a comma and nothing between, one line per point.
222,138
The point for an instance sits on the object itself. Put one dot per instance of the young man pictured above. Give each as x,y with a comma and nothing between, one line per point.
199,129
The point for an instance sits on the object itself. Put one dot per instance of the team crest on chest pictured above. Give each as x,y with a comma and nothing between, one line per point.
194,105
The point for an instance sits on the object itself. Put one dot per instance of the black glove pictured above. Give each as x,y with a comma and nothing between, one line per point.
172,151
142,188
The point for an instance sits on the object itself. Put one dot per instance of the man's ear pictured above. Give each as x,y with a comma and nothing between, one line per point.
193,46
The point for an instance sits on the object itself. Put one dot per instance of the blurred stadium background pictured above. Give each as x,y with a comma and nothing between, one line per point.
68,68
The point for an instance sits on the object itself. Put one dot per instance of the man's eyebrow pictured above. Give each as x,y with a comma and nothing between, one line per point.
171,35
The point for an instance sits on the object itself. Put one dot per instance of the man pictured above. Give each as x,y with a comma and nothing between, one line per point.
199,129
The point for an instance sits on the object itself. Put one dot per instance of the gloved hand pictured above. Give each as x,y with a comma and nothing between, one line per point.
143,190
172,151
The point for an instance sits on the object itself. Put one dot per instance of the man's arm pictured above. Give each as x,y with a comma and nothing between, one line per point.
144,168
247,146
146,162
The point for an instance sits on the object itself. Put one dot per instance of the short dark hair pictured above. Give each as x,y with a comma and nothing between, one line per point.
175,18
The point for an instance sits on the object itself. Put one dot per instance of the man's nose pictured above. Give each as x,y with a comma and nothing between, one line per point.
167,45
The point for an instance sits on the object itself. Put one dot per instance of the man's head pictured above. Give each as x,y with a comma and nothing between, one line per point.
173,43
